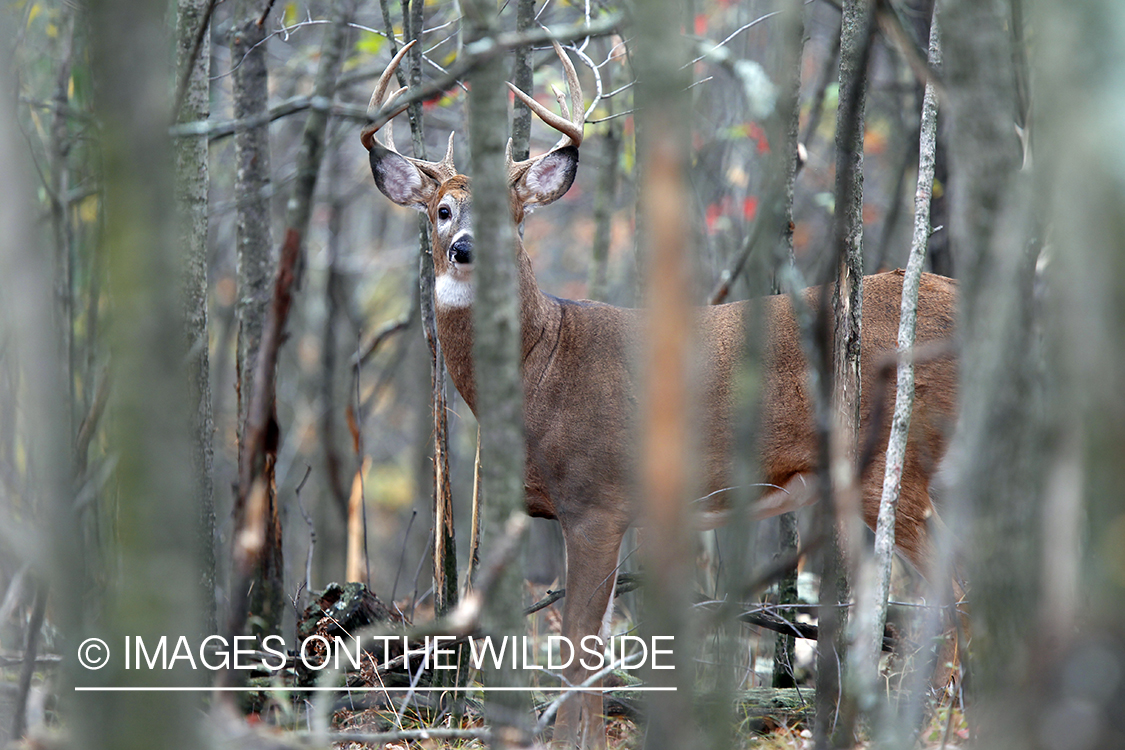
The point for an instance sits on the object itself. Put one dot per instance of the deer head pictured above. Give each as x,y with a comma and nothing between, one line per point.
436,188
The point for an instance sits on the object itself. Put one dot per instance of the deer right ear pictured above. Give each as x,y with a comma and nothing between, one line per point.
400,180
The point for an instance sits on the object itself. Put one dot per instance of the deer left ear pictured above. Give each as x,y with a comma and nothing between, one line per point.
547,178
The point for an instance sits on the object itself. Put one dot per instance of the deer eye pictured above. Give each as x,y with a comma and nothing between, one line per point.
444,213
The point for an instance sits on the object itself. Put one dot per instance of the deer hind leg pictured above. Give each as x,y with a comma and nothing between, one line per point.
591,572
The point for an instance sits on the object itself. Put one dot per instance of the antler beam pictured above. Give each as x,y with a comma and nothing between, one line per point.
441,170
569,123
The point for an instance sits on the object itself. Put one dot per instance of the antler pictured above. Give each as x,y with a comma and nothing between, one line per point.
439,170
569,124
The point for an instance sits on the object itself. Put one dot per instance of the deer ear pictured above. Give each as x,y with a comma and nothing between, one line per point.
548,178
400,180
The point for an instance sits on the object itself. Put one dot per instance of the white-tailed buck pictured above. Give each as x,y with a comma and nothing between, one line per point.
579,387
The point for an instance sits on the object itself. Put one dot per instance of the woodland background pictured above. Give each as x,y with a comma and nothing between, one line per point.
146,211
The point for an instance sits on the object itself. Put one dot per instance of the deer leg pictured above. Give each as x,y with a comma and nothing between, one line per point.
591,572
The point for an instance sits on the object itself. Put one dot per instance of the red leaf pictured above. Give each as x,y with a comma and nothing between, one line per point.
750,208
714,212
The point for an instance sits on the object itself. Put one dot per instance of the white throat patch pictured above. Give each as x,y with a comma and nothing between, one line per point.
452,292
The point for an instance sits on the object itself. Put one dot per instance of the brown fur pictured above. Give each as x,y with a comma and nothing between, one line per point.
580,393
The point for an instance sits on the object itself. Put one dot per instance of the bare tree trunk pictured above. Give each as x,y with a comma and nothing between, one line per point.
995,460
496,339
35,385
156,540
792,53
854,47
193,63
665,478
1077,101
250,95
544,548
335,467
65,254
445,539
254,243
790,108
522,78
260,438
605,201
855,41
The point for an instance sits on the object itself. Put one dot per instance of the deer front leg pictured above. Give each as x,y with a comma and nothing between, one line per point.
591,572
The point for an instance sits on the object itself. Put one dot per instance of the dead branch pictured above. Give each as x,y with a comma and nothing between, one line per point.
626,582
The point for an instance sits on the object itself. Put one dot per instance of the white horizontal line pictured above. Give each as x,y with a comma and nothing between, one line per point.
247,689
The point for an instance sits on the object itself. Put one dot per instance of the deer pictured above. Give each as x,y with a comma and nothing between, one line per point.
580,385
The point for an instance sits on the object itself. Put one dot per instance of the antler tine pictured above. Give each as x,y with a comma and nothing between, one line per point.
570,124
367,136
560,97
441,170
388,141
577,105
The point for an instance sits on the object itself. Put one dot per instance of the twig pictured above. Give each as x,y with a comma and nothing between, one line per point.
816,110
626,582
362,493
19,710
418,574
711,48
265,13
384,333
215,129
312,529
14,595
890,24
547,601
90,423
552,709
474,530
728,277
58,108
765,618
465,616
614,116
402,555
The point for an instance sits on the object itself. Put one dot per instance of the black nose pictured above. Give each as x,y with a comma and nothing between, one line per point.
462,250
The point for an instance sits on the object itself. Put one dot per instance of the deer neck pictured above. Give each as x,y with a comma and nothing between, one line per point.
539,322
